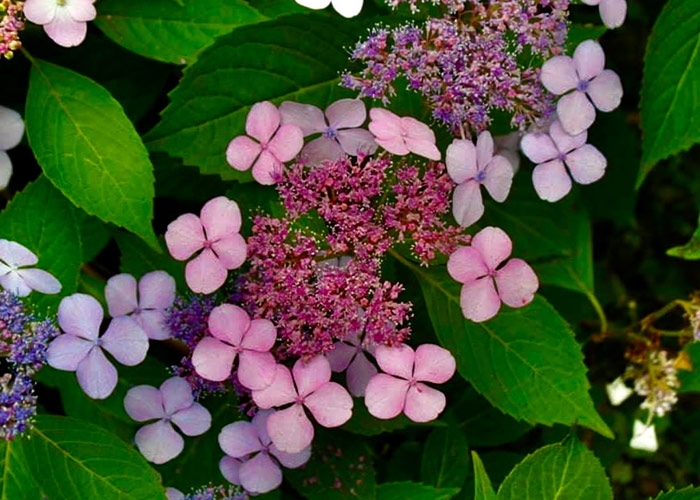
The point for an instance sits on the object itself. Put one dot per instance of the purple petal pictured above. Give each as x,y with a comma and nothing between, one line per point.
613,12
559,75
291,460
564,141
229,468
551,180
13,282
256,370
356,140
260,474
144,402
126,341
586,164
40,280
341,355
290,429
96,375
260,423
322,149
539,147
239,439
606,91
173,494
308,118
517,283
467,204
16,255
484,149
80,315
177,395
120,294
66,352
158,442
359,373
346,113
576,112
460,159
193,421
154,324
479,300
590,59
499,177
156,290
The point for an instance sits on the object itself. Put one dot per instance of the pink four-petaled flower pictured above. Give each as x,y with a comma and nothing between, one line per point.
401,135
65,21
612,12
15,275
350,355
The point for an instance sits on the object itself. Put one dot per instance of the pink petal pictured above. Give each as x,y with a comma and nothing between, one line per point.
590,59
260,474
232,251
551,180
230,468
12,127
125,340
517,283
81,10
260,423
613,12
330,404
229,323
154,324
396,360
346,113
193,421
341,355
221,218
421,147
256,370
539,147
80,315
322,149
267,169
564,141
205,273
384,124
356,140
424,403
144,402
173,494
120,293
280,392
239,439
586,164
359,373
434,364
576,112
479,300
460,159
499,177
260,335
309,376
242,152
40,11
605,90
559,75
156,290
484,149
591,2
394,145
291,460
494,245
467,204
262,121
466,264
177,395
40,280
14,283
212,359
96,375
417,130
287,143
184,236
158,442
290,430
64,30
385,396
66,352
308,118
14,254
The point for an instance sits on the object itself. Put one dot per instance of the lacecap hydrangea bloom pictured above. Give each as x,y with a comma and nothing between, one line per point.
17,273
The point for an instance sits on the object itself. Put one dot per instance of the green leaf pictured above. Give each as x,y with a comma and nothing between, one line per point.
44,221
690,380
670,122
75,459
445,462
482,484
581,32
168,33
565,470
365,424
16,481
689,493
689,251
296,58
407,490
138,259
89,149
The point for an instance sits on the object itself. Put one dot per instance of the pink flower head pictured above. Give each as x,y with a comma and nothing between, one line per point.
590,82
350,355
65,21
11,132
172,403
612,12
487,283
307,386
560,156
470,167
156,293
338,128
275,144
401,387
16,278
402,135
252,460
80,348
233,333
216,233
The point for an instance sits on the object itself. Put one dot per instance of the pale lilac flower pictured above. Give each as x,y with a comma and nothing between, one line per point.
346,8
308,386
148,305
252,460
65,21
15,275
593,86
487,283
173,494
401,388
235,334
80,348
612,12
402,135
275,145
508,146
559,157
470,167
172,403
338,128
216,233
351,355
11,132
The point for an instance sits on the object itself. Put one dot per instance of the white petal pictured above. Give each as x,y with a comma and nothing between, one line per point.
347,8
618,392
11,128
5,170
644,437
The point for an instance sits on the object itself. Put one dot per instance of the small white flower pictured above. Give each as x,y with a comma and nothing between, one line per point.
346,8
618,392
16,275
11,132
644,437
65,21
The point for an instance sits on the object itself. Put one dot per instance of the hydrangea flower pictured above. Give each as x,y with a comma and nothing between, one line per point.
593,86
17,278
173,494
470,167
350,355
216,233
65,21
402,135
11,132
401,388
346,8
612,12
252,460
80,348
17,405
644,437
172,403
308,386
234,334
618,392
148,306
338,128
276,144
486,281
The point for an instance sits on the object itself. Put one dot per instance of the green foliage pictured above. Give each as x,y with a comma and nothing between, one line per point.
482,484
16,481
407,490
689,493
445,462
138,259
690,380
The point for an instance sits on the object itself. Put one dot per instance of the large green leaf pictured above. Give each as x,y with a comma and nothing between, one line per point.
562,471
670,99
689,493
16,481
89,149
293,58
407,490
76,460
483,490
445,462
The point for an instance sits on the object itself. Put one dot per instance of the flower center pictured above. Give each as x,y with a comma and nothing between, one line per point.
480,177
582,85
561,156
61,3
330,133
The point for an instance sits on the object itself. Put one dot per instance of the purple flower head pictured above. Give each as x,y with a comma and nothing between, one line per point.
612,12
147,306
172,403
17,405
350,356
81,349
13,320
211,493
559,157
29,348
593,86
252,460
17,277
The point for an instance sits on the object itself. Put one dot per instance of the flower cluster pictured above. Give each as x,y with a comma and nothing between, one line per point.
209,493
16,275
11,23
